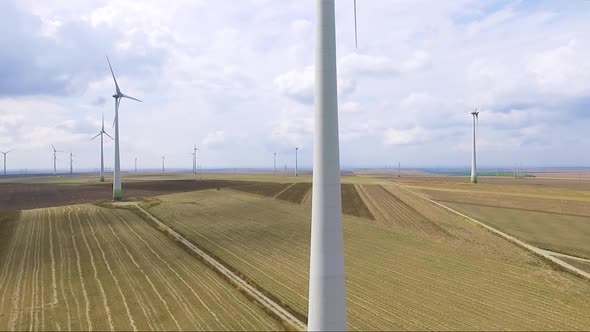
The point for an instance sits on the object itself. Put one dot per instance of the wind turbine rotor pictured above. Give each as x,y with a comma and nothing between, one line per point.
114,79
129,97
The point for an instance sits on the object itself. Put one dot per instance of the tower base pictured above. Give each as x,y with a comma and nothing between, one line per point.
102,179
117,195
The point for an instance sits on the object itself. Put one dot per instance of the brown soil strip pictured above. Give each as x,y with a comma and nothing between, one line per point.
353,204
295,193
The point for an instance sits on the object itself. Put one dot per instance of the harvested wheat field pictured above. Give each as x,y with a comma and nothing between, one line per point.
447,275
547,214
85,267
551,231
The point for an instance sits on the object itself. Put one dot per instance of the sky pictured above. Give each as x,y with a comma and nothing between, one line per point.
236,78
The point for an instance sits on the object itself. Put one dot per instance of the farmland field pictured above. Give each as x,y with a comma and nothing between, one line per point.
84,267
561,233
296,193
547,213
37,195
445,274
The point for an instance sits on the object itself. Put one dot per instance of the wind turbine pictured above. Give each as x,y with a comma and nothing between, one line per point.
71,163
55,159
163,158
475,115
101,133
5,153
296,150
327,292
117,193
275,163
195,159
135,164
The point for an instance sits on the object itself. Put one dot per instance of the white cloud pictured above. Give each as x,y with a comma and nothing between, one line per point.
215,138
297,85
564,69
226,71
406,136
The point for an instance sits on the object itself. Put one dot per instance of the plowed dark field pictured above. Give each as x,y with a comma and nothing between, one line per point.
19,196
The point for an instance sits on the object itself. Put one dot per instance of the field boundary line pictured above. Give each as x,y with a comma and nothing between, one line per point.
538,251
282,191
233,278
559,254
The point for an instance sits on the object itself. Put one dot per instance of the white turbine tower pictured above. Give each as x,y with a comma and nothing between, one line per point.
101,133
163,158
71,163
327,293
55,159
275,163
475,115
195,159
296,150
117,193
5,153
135,164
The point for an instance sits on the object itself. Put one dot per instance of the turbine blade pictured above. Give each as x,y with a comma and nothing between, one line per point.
129,97
95,136
108,135
355,30
53,147
102,121
114,79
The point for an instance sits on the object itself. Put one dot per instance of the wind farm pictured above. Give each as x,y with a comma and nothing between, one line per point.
473,230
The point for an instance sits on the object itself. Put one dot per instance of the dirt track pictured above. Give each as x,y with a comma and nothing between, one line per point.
549,255
252,292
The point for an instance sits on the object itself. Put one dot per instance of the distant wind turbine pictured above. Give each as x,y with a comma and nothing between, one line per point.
195,159
275,163
135,164
101,133
5,153
163,158
117,192
296,150
55,159
71,163
327,291
475,115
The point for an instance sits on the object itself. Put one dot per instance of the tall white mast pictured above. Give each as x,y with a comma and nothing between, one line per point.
475,115
327,294
296,150
5,153
117,192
